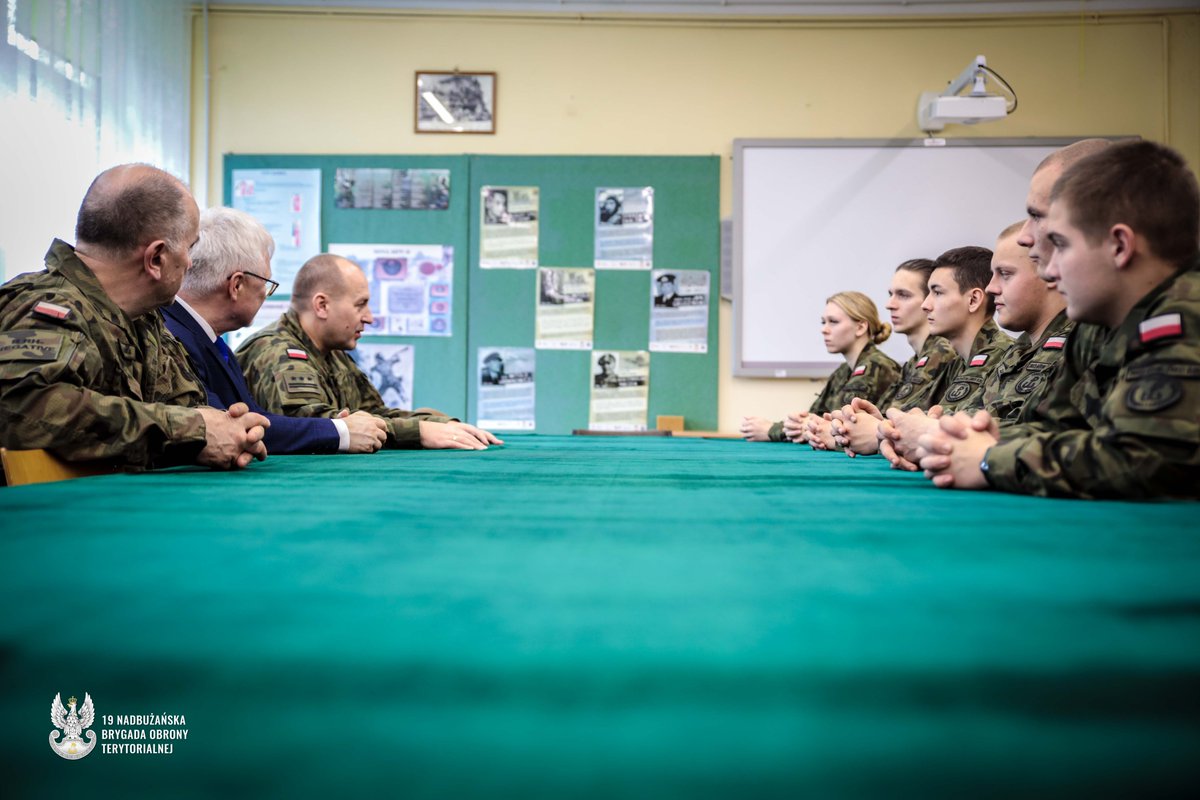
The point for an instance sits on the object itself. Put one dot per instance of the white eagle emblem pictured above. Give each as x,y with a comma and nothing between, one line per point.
72,747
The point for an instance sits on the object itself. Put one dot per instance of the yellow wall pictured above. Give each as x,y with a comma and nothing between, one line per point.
320,82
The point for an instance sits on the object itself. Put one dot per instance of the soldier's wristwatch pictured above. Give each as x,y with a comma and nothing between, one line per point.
985,468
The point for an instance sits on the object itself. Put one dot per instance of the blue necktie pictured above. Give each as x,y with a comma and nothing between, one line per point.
226,353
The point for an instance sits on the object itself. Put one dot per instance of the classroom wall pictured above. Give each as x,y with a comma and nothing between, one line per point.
315,81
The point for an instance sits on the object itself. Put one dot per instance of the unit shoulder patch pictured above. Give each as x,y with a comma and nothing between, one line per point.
1029,383
30,345
960,389
1152,394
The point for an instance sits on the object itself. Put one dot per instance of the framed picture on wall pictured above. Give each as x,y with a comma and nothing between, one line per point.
456,102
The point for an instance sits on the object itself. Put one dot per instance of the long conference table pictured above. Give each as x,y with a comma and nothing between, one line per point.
596,617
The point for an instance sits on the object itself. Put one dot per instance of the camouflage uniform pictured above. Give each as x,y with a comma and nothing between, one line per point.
1023,374
287,374
873,374
967,377
923,378
80,378
1127,425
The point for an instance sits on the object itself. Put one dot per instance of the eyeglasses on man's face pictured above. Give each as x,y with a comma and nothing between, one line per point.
271,285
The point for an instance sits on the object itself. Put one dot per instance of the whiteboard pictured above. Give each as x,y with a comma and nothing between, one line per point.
813,217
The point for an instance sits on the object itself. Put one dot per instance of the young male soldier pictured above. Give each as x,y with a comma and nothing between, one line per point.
1034,308
87,370
960,310
1081,342
229,280
1124,226
299,366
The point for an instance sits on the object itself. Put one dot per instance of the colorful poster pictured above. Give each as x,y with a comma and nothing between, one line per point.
390,368
624,228
412,286
508,233
506,388
397,189
679,311
288,204
620,390
565,305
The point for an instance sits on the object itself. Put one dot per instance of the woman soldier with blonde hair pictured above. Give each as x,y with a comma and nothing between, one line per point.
851,328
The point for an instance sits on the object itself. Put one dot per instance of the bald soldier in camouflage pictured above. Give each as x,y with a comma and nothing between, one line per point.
1024,303
87,369
299,365
1123,225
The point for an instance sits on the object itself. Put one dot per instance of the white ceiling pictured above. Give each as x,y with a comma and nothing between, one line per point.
771,8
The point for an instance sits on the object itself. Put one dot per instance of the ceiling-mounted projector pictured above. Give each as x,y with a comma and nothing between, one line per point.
937,110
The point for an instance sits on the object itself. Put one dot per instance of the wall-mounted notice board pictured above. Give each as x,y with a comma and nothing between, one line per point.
494,308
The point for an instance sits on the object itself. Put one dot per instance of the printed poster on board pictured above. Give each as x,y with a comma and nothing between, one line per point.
508,232
506,389
624,226
679,310
288,204
565,306
620,390
412,286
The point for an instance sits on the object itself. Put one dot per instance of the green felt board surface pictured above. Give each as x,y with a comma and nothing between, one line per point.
496,307
599,617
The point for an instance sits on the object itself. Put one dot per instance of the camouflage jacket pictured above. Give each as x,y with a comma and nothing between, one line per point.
923,378
1127,423
1023,373
287,374
873,374
82,379
967,377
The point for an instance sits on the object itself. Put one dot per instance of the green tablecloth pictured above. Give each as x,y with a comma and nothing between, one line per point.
599,617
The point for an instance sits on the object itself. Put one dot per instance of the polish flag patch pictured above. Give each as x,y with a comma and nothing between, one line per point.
979,360
53,311
300,354
922,361
858,371
1055,343
1163,326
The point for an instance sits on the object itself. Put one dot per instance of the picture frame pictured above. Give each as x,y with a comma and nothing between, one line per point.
455,102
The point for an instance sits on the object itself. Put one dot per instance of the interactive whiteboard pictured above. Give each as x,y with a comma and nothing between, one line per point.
813,217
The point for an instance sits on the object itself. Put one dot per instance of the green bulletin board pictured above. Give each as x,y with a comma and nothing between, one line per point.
496,307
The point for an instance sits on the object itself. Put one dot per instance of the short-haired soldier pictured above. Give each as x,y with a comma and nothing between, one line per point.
1124,227
299,365
87,370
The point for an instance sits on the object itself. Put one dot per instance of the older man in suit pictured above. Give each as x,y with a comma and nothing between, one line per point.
227,284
